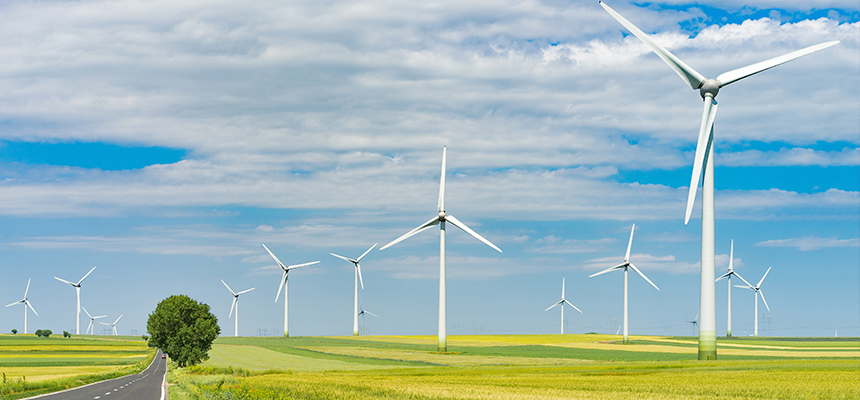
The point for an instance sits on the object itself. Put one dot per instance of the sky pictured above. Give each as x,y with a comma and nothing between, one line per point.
164,142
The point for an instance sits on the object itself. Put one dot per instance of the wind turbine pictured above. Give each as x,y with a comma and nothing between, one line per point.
26,304
358,280
236,305
708,89
362,314
729,275
624,266
90,329
562,303
758,292
285,284
77,287
440,219
113,325
695,322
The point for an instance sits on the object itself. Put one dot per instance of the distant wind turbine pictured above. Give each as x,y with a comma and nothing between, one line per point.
561,303
624,266
355,262
758,292
440,219
90,329
26,303
285,284
362,313
235,305
77,287
113,325
728,275
704,163
694,322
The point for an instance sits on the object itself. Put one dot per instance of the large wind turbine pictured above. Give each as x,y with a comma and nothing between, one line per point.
355,262
26,304
561,303
758,292
90,329
285,284
440,219
236,305
77,287
624,266
704,163
113,325
729,275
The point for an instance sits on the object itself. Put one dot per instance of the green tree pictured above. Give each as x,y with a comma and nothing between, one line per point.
14,331
43,332
183,328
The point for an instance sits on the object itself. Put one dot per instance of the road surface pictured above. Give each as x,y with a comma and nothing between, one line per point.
146,385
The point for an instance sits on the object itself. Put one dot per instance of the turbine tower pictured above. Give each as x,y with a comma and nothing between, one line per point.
26,304
704,163
90,329
758,292
561,303
236,305
440,219
285,284
77,287
355,262
113,325
624,266
729,275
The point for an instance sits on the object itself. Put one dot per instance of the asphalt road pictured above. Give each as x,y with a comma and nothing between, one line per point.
143,386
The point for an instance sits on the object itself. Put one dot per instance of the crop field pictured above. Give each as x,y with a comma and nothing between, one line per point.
521,367
31,365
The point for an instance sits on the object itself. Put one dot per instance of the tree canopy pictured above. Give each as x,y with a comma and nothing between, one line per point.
183,328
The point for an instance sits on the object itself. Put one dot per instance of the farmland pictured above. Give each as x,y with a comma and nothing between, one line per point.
521,367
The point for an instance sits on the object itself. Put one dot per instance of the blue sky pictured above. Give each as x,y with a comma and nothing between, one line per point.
163,143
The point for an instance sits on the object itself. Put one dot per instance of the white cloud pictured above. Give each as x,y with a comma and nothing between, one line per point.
810,243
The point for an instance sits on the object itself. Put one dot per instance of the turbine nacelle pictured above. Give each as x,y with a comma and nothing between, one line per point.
710,87
442,215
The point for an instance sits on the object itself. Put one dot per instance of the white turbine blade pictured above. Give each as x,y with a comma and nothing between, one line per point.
105,323
361,281
553,306
344,258
741,73
762,278
423,226
368,312
608,270
562,288
706,134
65,281
232,306
745,287
643,276
27,290
688,74
100,316
228,287
283,280
27,304
276,258
574,307
762,299
88,313
441,203
17,302
117,320
302,265
742,278
629,244
723,276
456,222
732,256
85,276
245,291
365,253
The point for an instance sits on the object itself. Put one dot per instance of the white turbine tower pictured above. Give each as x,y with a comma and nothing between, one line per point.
77,287
758,292
113,325
236,305
440,219
90,329
26,304
285,284
561,303
704,163
728,275
624,266
355,262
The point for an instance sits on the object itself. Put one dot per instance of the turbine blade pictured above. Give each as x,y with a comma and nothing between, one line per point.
762,278
553,306
423,226
104,323
723,276
228,287
456,222
232,306
361,281
562,288
629,244
85,276
365,253
441,203
609,269
27,290
732,256
117,320
88,313
27,302
302,265
706,135
65,281
283,280
741,73
574,307
742,278
688,74
17,302
245,291
643,276
745,287
368,312
762,299
276,258
344,258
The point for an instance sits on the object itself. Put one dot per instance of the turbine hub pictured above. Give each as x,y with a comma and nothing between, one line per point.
709,86
442,215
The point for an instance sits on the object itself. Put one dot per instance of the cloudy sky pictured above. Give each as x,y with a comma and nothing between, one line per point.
164,141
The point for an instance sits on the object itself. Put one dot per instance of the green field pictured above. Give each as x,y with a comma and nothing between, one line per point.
32,365
521,367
